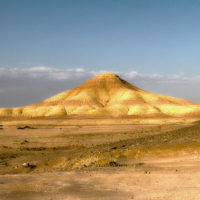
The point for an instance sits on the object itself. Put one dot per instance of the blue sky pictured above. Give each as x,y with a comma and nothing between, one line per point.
146,36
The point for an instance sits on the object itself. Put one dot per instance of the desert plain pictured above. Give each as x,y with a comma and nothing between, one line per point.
59,158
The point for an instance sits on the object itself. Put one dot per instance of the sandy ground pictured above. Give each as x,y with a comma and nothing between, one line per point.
163,181
126,161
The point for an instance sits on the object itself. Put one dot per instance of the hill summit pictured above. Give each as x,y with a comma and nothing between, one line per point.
106,94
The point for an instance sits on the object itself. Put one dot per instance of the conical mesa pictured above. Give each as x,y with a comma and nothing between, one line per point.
106,94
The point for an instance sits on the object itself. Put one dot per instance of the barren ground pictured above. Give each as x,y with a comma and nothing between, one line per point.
52,159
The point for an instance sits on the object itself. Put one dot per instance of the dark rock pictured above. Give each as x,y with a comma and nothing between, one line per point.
114,164
25,141
28,165
24,127
12,156
139,164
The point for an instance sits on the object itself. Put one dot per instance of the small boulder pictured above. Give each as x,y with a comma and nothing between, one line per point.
31,166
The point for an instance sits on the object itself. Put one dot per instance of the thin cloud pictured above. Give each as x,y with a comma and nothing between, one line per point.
67,74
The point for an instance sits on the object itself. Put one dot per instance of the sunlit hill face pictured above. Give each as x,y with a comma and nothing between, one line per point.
106,94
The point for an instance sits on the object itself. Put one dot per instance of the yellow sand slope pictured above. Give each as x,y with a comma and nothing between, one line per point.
106,94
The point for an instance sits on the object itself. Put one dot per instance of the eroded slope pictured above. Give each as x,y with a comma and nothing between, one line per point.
106,94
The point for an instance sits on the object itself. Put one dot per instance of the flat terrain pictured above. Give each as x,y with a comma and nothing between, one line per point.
162,183
57,159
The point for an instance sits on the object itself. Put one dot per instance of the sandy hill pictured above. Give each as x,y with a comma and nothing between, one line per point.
106,94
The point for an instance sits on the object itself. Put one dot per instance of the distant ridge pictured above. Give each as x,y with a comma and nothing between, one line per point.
106,94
